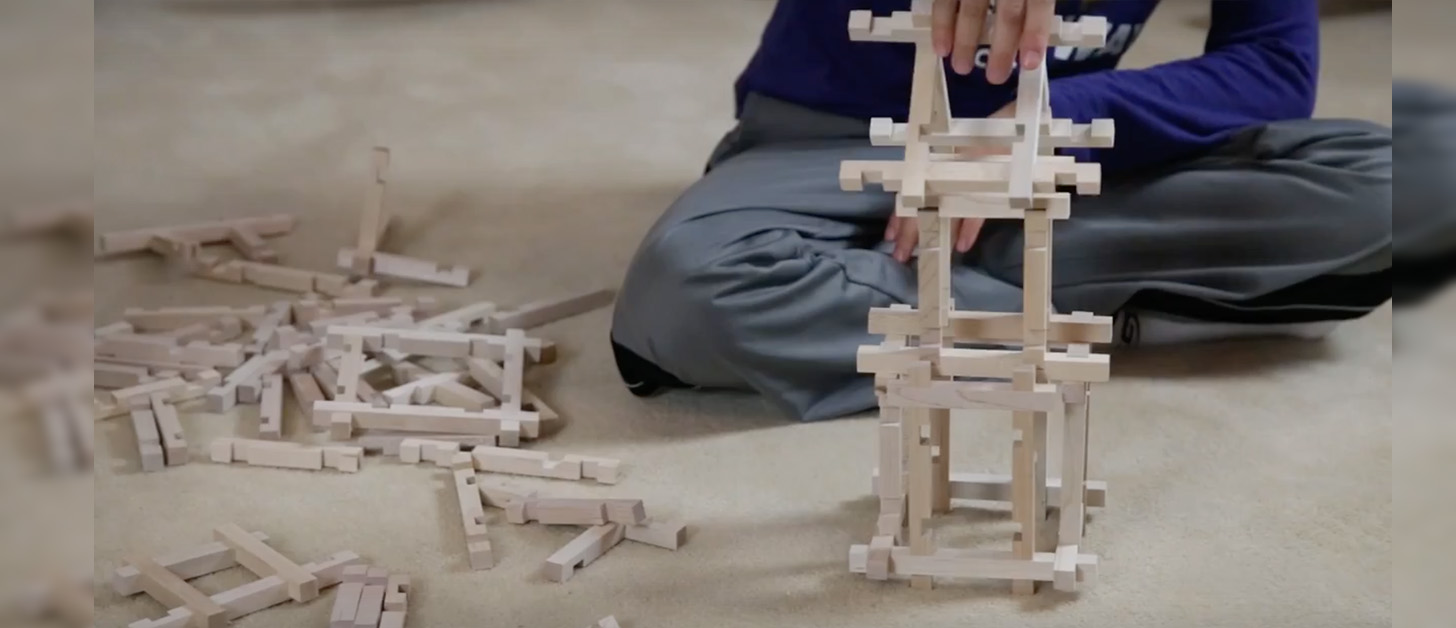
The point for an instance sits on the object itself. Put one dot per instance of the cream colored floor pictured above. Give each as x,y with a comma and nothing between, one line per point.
536,141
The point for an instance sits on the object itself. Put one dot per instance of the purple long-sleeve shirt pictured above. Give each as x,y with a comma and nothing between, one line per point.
1260,64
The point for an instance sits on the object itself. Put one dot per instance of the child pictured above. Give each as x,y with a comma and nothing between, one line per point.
1226,210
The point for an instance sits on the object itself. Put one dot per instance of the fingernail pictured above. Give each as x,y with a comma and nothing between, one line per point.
1031,59
962,67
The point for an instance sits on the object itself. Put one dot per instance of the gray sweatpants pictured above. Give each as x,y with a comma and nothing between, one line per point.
761,275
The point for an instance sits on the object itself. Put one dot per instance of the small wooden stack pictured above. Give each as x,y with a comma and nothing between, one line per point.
608,521
370,597
431,402
165,579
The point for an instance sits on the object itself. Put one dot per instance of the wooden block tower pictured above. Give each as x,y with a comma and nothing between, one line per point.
921,374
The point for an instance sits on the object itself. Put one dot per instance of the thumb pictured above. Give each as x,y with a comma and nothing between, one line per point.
905,245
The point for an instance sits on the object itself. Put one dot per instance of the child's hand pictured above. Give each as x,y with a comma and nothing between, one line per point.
1023,25
905,234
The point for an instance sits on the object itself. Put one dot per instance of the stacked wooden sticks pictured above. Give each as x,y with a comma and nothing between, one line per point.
165,576
917,381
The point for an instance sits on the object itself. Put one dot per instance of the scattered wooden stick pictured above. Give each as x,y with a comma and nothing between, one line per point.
137,240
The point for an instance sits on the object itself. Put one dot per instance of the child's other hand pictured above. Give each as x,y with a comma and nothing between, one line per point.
903,232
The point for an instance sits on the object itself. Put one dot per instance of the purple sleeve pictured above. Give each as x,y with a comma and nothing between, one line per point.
1260,64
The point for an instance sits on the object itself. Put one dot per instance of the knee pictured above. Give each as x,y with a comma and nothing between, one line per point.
670,295
1349,176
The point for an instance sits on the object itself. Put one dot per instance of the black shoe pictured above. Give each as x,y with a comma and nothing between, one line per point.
643,378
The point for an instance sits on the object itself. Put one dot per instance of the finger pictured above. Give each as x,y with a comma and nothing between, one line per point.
942,25
905,245
966,237
1039,16
892,229
968,24
1010,18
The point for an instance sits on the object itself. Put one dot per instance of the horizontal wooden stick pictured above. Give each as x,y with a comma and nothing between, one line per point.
952,563
989,487
428,419
1088,31
137,240
988,132
952,395
969,326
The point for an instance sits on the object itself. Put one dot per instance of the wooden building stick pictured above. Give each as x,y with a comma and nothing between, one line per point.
346,416
538,313
149,440
522,462
136,240
492,376
577,511
410,268
472,511
346,601
373,221
270,411
953,563
583,551
169,427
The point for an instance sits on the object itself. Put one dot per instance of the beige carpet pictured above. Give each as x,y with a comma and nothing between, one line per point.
536,141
